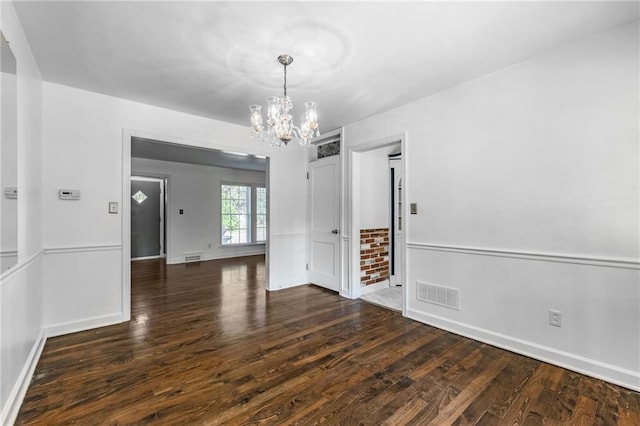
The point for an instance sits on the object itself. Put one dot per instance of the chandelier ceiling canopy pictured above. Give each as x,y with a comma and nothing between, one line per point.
280,129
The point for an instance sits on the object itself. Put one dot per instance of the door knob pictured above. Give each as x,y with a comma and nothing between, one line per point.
335,231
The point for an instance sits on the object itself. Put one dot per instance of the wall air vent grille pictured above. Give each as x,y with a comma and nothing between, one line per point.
192,258
438,295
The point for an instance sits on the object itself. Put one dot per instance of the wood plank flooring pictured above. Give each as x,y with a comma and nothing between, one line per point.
207,345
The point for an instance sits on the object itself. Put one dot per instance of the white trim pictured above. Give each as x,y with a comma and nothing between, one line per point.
140,178
204,258
9,273
538,256
68,327
374,287
285,285
136,259
126,222
19,390
267,246
226,246
332,136
282,236
82,249
600,370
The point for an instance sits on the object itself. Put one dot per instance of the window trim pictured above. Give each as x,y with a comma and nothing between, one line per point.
252,214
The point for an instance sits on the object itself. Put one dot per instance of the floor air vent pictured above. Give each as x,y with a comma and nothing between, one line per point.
192,258
439,295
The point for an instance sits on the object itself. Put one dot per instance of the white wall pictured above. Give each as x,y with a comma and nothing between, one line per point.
375,187
196,190
519,176
9,171
83,150
21,322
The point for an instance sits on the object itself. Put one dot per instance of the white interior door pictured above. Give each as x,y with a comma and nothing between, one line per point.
324,220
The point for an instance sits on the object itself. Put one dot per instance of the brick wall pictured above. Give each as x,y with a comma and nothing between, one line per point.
374,255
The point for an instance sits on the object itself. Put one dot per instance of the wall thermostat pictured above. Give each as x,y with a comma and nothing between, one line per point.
10,192
69,194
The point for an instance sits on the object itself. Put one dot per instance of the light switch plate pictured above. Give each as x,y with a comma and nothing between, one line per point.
413,207
113,207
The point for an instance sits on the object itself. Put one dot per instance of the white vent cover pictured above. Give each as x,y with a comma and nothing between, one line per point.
438,295
192,258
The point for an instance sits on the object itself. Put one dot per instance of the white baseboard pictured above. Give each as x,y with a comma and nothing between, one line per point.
178,260
373,287
284,285
600,370
83,324
14,401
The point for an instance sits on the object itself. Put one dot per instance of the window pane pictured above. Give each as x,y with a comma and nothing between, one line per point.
235,213
261,214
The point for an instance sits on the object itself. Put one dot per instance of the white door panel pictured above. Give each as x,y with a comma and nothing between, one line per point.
324,220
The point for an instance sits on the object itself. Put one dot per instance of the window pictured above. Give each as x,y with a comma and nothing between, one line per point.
261,214
243,214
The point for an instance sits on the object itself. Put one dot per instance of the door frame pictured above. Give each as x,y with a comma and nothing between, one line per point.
127,134
163,209
354,210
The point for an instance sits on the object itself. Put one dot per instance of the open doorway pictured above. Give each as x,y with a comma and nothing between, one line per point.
194,178
147,218
377,257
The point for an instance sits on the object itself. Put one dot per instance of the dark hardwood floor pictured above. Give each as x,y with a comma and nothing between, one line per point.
207,345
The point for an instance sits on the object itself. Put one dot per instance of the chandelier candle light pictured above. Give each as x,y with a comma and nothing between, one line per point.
281,129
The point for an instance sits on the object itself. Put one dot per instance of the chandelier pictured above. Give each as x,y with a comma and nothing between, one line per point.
280,128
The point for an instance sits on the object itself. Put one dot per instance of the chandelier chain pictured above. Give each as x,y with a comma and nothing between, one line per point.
285,81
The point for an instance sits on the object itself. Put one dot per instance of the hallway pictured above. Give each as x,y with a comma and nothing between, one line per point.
207,344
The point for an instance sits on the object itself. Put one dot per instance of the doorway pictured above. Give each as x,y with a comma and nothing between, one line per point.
377,226
147,218
396,219
175,150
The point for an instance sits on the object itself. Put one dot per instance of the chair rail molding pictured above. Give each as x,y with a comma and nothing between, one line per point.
81,248
624,263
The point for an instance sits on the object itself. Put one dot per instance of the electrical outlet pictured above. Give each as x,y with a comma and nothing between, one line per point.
209,245
555,318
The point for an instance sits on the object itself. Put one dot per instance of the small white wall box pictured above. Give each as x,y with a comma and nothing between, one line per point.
69,194
10,192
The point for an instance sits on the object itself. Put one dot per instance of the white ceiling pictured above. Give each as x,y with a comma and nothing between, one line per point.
355,59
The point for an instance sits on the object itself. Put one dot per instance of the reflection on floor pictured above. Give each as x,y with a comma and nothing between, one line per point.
389,297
